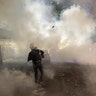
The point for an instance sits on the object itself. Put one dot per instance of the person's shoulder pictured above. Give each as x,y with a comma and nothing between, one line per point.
30,52
37,49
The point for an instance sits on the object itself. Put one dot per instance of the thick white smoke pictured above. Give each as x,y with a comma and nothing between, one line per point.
16,83
32,21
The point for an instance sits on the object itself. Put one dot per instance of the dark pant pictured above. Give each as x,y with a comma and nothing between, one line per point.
38,67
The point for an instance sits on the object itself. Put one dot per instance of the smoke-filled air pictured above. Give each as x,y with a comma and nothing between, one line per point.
67,33
63,35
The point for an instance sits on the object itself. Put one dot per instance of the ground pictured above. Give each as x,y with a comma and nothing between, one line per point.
66,79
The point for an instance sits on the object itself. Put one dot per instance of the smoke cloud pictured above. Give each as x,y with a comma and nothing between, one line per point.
31,21
16,83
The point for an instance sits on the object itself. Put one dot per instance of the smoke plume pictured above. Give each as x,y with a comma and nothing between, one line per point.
31,21
15,83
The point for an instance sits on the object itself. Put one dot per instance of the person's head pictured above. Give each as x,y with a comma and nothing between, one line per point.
35,47
32,46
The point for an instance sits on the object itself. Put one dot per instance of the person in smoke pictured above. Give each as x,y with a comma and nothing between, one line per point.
36,56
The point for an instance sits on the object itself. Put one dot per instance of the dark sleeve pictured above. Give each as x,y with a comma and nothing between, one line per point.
29,57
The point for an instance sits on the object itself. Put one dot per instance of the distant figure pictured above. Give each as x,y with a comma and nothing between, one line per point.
36,56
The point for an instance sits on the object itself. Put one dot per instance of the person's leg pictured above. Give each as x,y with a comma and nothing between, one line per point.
41,73
36,74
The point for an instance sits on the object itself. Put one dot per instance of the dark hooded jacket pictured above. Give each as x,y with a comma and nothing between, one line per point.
35,55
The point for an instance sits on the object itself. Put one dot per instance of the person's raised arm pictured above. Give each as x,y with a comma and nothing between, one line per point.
42,53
